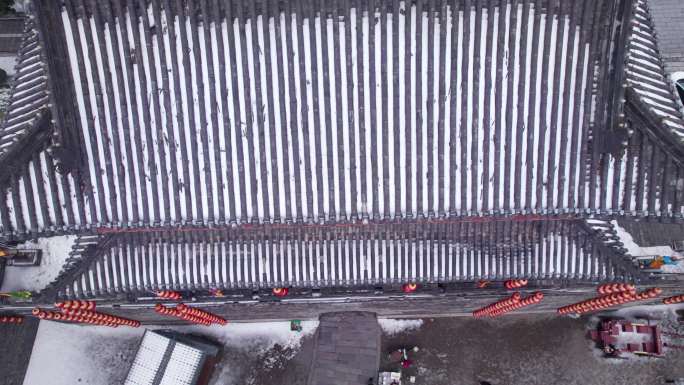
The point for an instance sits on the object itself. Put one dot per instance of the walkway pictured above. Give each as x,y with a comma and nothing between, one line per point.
347,350
15,350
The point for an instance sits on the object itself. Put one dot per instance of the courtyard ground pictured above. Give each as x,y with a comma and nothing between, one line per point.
522,349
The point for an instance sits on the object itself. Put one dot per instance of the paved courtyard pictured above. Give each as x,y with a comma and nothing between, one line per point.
521,349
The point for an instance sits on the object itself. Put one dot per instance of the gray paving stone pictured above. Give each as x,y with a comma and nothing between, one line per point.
347,350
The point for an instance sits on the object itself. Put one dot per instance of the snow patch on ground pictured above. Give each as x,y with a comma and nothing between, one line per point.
626,238
258,337
55,252
391,326
635,250
650,312
67,354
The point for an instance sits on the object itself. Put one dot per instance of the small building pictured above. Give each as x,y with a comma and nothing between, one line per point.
168,357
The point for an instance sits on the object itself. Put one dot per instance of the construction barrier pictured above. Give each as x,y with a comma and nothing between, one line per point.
515,283
673,300
169,294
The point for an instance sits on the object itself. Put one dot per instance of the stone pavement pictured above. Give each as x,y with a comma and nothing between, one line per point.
16,345
347,349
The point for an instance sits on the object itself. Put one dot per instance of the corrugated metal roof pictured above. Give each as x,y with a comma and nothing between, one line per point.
162,360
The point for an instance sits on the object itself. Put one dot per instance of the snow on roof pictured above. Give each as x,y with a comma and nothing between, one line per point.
222,114
269,112
55,252
358,255
646,74
29,96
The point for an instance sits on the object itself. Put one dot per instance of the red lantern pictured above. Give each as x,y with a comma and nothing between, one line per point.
409,287
280,291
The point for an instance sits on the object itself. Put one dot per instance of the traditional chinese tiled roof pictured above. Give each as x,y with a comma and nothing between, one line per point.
253,144
28,104
346,256
646,74
209,112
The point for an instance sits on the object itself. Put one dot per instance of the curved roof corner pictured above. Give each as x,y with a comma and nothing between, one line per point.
646,75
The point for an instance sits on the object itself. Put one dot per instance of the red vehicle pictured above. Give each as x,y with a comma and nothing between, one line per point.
616,337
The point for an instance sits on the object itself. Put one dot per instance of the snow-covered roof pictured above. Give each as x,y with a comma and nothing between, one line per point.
28,104
162,359
212,112
646,73
344,256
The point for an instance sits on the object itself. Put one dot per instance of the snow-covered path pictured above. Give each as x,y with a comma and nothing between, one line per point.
66,354
55,251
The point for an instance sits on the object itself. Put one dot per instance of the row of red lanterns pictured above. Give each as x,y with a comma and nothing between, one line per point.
673,300
84,316
172,311
527,301
489,309
280,291
76,304
190,314
612,288
609,300
515,283
102,317
169,294
211,317
11,319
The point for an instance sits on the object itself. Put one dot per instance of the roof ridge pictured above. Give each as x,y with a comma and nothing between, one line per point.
646,73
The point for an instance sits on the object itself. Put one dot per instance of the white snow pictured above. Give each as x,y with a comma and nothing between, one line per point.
278,163
55,252
627,240
392,326
65,354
